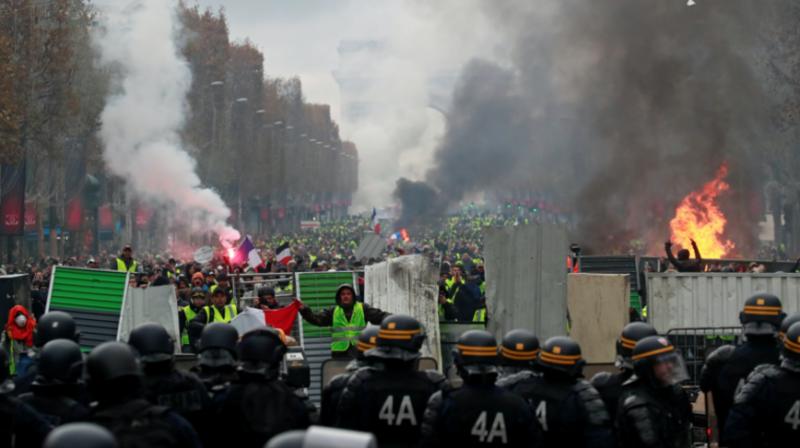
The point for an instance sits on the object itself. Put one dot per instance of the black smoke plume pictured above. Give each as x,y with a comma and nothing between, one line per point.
615,108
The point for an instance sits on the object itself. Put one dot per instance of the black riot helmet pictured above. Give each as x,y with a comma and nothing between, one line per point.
152,343
60,363
261,352
476,354
656,361
83,435
55,325
562,355
519,348
631,334
110,361
788,321
218,345
762,315
790,353
318,436
400,337
367,339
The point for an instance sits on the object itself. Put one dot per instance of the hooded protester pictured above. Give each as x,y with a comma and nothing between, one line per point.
347,318
18,339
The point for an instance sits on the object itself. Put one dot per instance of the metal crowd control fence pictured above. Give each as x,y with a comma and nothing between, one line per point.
245,291
696,344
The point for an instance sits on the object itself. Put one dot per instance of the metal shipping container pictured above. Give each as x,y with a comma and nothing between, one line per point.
691,300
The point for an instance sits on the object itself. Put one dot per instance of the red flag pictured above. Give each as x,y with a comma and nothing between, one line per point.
283,318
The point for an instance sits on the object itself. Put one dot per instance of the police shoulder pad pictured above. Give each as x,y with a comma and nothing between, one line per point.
595,409
755,382
721,355
601,379
632,401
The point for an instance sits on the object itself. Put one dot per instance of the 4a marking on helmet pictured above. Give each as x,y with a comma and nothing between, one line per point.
759,301
520,346
556,349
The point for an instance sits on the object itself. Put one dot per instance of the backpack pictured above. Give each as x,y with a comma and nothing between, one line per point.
138,424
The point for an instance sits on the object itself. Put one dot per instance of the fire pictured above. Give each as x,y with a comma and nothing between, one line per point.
698,217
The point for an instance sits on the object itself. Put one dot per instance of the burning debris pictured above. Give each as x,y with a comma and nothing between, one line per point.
699,217
611,108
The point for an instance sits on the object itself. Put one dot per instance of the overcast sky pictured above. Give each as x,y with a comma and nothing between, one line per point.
301,37
420,40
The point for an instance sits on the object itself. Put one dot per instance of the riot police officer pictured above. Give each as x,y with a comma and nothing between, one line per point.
367,340
728,366
84,435
259,405
164,385
654,411
216,360
57,386
479,413
518,352
52,325
20,425
569,410
115,382
610,385
766,411
389,402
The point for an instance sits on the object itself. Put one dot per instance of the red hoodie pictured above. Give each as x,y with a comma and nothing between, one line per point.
24,335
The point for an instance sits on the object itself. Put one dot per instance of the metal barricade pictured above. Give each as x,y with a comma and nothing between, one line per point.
245,290
695,344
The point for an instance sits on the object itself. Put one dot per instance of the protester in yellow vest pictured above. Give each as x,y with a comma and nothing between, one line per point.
346,320
187,313
125,262
218,311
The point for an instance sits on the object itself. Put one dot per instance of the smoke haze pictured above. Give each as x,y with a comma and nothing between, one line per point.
616,109
146,110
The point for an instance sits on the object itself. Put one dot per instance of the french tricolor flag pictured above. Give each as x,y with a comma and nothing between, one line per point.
248,253
376,224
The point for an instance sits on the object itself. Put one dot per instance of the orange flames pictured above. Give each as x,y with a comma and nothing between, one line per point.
698,217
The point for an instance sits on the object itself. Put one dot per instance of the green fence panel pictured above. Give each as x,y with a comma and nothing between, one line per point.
93,297
318,291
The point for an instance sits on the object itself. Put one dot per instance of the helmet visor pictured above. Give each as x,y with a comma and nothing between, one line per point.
669,369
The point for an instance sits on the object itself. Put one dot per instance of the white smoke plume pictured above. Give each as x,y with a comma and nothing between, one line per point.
146,110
